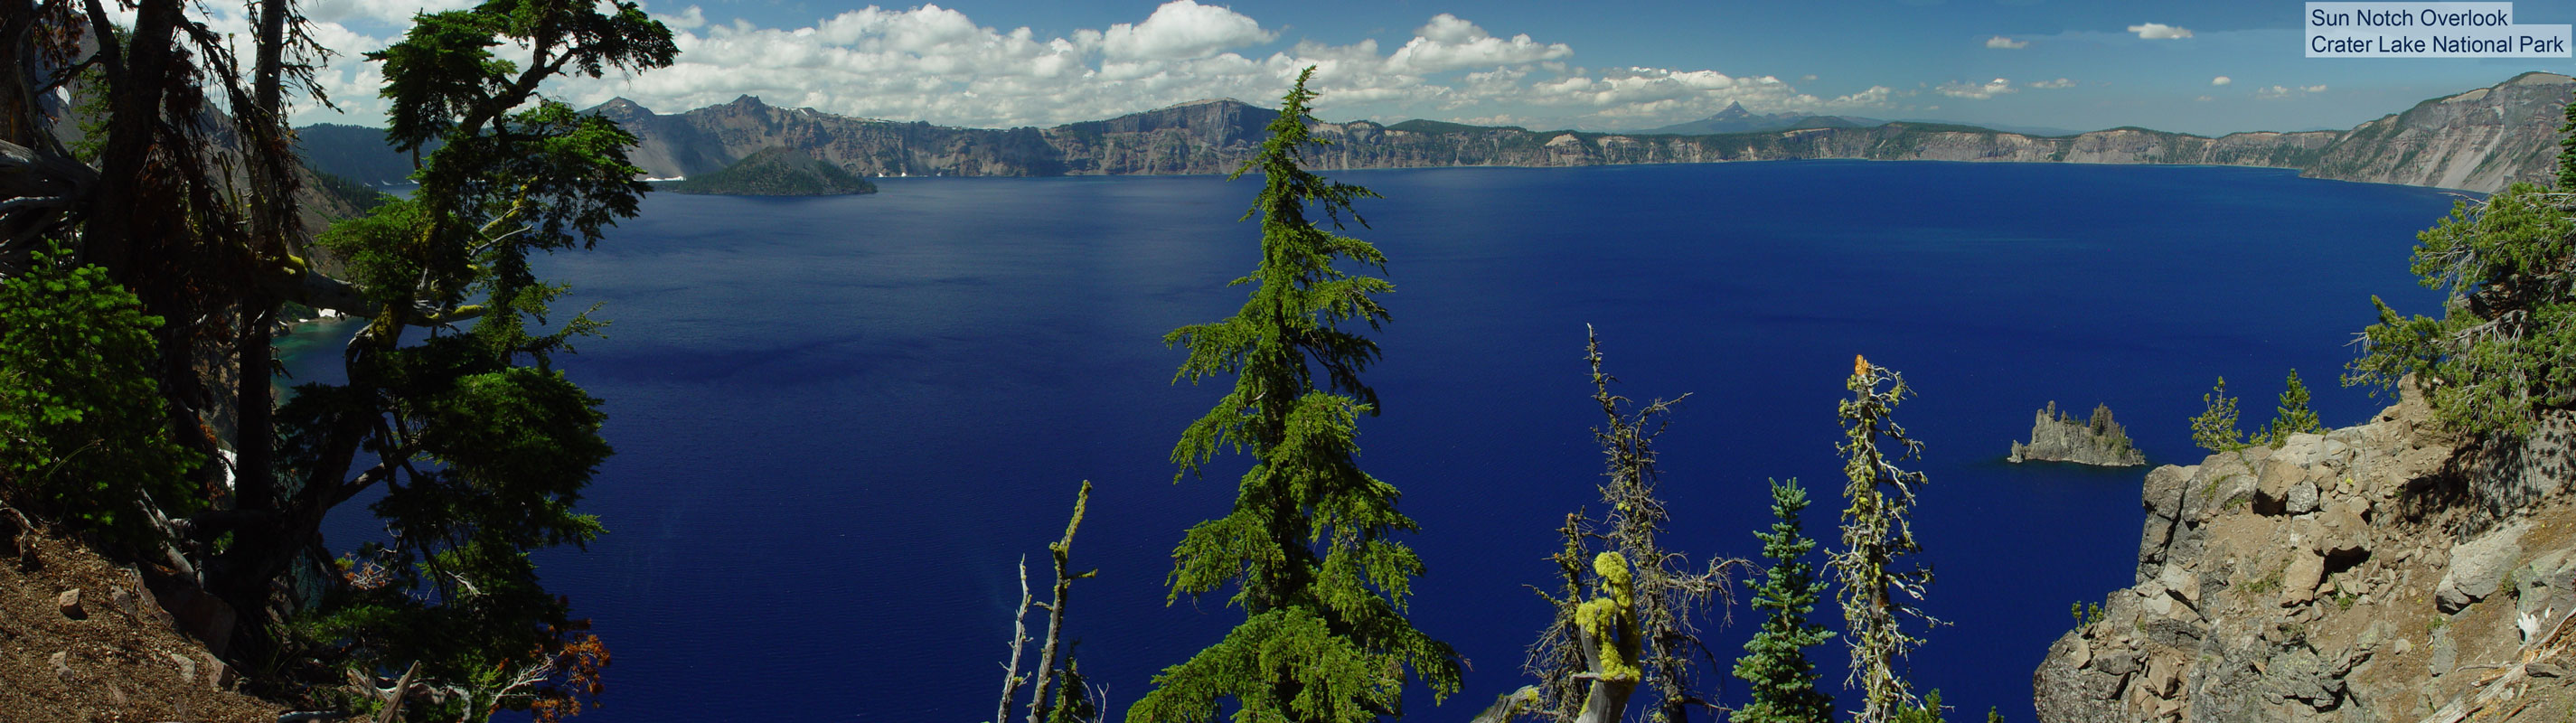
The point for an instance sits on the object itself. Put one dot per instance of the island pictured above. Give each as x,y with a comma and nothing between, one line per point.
775,171
2058,437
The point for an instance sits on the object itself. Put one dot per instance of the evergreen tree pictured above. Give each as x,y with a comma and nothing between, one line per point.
1309,544
1775,660
2503,353
2215,429
2293,415
1879,591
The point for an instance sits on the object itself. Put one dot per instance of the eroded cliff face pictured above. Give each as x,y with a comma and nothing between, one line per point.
2361,575
2479,140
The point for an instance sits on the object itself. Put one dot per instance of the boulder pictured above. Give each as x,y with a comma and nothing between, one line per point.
218,675
2479,566
2299,580
62,663
2299,675
69,604
2340,534
2165,487
2181,584
2072,693
2301,498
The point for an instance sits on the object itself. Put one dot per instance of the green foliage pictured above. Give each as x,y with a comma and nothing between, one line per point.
2504,348
1929,711
2292,417
82,430
1880,589
1308,546
486,449
1775,661
2215,429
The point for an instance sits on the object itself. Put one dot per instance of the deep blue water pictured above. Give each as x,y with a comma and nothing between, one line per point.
841,421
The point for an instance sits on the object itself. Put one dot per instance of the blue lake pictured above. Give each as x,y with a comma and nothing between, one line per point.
840,422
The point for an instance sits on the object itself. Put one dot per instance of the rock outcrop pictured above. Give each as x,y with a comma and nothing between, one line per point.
2057,437
2349,576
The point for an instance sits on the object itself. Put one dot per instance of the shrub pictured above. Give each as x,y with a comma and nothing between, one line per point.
83,436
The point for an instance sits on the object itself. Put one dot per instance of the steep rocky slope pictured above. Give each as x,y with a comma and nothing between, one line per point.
110,654
2373,573
2479,140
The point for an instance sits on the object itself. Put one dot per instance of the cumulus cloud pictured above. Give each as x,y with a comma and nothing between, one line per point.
2160,31
1973,91
1179,30
937,64
1448,43
690,19
2221,80
2051,84
2204,99
2003,43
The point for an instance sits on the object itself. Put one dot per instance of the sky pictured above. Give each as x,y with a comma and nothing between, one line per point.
2197,67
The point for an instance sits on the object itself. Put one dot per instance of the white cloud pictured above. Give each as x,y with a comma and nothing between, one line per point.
2221,80
2003,43
2051,84
1989,89
937,64
1448,43
1179,30
2160,31
2204,99
690,19
397,12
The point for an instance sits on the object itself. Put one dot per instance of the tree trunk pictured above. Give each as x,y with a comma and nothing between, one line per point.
1062,550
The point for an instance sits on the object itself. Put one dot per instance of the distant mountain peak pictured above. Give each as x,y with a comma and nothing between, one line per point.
1733,111
748,101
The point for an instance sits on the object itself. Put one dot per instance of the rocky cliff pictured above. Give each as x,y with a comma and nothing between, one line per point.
2056,436
2374,573
2479,140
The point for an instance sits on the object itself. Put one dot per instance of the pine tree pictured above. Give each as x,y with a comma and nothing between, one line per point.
1309,544
2293,415
1879,592
2215,429
1775,661
2497,360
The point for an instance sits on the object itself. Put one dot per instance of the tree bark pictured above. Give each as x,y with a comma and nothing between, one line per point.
1019,634
1062,550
